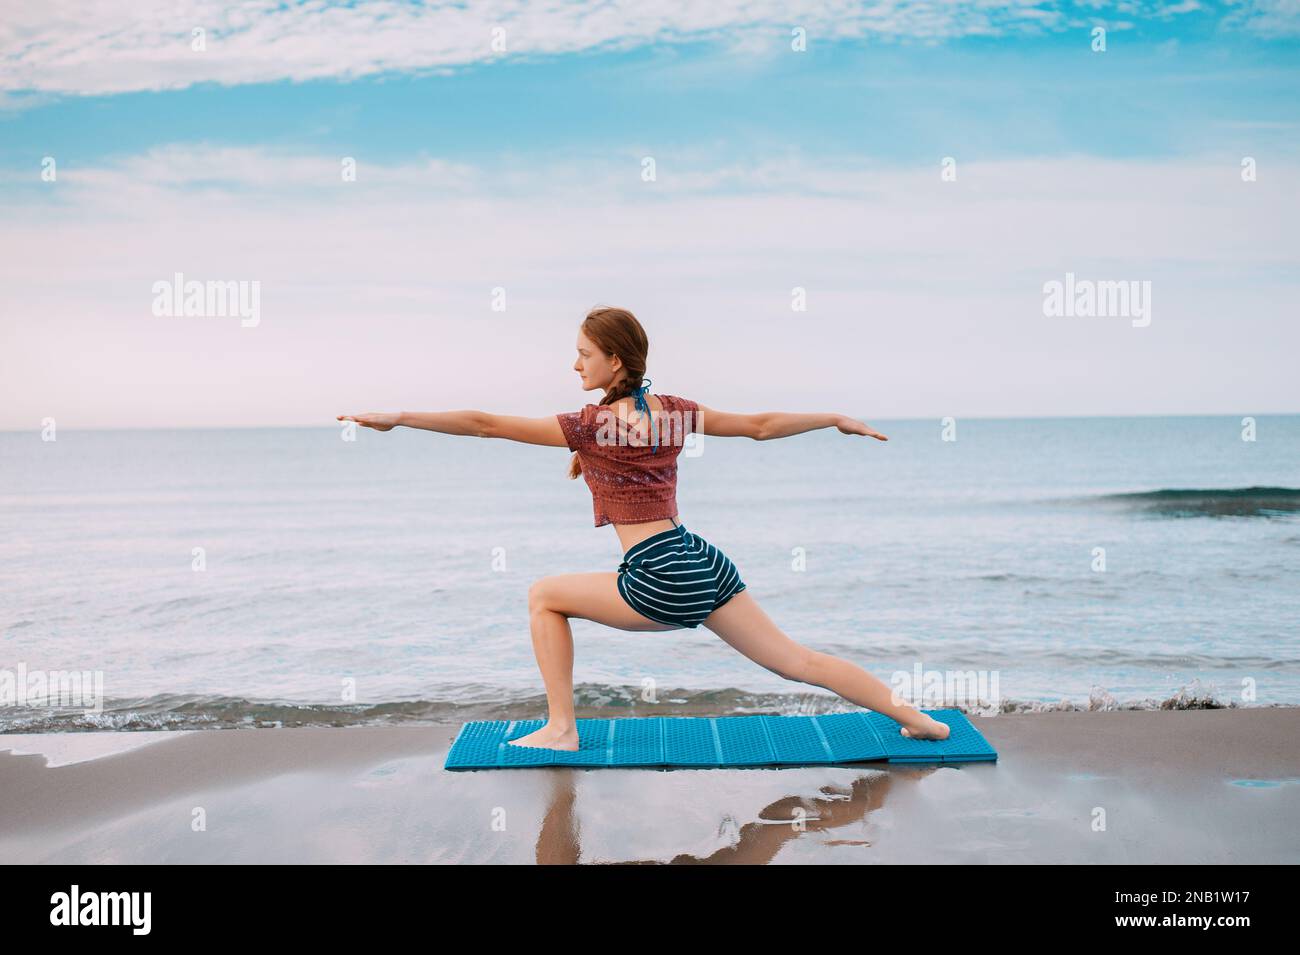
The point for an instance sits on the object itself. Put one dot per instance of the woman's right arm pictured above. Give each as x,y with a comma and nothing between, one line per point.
477,424
767,425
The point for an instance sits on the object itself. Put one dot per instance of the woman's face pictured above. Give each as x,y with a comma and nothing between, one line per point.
597,369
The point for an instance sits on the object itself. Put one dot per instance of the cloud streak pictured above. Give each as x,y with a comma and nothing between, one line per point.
106,46
924,296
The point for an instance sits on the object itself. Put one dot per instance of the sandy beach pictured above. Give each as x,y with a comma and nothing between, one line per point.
1191,786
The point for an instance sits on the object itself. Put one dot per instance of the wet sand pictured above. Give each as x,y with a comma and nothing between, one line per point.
1179,786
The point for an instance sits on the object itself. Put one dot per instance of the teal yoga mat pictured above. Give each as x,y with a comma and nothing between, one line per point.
703,742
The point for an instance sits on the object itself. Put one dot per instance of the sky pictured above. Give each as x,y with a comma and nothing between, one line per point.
849,207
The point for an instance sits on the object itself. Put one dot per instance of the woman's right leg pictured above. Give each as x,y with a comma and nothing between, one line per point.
551,602
742,623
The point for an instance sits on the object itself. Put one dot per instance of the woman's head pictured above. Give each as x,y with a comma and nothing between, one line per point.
612,350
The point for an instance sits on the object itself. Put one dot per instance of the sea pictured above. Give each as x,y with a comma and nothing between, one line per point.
288,577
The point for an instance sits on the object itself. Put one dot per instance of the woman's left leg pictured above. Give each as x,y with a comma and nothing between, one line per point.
743,624
551,602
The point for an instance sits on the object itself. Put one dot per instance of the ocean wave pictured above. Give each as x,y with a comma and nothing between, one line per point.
1008,577
1211,502
608,702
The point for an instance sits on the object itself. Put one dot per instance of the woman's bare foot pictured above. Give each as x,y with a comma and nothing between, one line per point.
924,727
549,738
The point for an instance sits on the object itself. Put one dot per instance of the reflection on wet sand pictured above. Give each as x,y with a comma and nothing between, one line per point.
756,842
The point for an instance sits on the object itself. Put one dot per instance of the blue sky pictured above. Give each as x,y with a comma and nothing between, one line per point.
521,170
1161,88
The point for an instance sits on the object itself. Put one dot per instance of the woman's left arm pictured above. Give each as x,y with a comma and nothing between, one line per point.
478,424
446,422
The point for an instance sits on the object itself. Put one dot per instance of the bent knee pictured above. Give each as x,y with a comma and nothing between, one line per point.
541,596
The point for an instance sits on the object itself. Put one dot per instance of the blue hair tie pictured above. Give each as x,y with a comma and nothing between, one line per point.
644,407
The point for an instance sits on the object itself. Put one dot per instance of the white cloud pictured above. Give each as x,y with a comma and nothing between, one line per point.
1279,18
110,46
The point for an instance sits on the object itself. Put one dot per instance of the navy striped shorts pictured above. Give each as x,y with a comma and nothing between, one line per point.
677,577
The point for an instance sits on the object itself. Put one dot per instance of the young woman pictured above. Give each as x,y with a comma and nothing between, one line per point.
626,448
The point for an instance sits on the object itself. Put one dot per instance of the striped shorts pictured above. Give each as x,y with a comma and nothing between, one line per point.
677,577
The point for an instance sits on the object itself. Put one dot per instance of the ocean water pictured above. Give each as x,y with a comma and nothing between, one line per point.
386,579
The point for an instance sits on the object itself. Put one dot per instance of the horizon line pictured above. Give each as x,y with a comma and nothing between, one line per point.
1058,417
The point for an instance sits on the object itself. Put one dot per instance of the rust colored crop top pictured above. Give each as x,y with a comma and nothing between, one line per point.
632,480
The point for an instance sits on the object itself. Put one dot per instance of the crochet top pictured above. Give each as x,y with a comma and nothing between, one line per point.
632,481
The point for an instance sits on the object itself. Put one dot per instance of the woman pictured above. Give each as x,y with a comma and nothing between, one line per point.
627,447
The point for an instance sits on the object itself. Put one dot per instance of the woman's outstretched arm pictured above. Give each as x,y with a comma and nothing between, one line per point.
478,424
767,425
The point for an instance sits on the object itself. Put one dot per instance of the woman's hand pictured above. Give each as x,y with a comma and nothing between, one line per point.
379,420
853,426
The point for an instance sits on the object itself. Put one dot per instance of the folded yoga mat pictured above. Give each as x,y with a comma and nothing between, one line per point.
722,741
